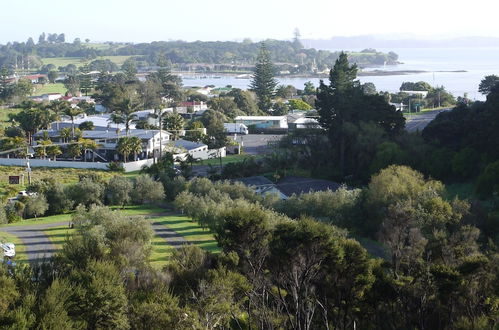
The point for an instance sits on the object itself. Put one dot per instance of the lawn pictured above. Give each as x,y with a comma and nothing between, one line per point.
20,248
225,160
4,115
41,220
191,231
50,88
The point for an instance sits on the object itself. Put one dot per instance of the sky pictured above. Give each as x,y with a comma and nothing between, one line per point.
152,20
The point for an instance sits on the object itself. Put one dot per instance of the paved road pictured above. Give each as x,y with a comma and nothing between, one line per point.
256,144
418,122
39,247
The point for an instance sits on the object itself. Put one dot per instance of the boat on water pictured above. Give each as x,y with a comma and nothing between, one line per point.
243,76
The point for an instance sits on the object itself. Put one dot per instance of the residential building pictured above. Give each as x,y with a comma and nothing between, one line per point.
107,141
263,122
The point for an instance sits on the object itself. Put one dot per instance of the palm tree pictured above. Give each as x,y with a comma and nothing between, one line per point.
65,134
72,112
58,108
17,145
116,118
41,151
135,146
123,147
127,108
74,150
53,151
89,145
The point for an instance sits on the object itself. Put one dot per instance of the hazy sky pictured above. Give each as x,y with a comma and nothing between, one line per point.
148,20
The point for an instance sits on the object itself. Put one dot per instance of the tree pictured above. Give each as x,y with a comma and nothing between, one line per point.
173,123
129,68
35,206
343,107
135,146
99,298
263,82
124,147
86,126
118,191
72,113
298,104
147,190
54,307
86,192
72,84
194,131
31,119
52,76
487,83
85,79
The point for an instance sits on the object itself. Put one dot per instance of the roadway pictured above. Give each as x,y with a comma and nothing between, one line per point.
418,122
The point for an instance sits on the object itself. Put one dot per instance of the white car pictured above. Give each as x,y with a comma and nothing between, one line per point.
9,249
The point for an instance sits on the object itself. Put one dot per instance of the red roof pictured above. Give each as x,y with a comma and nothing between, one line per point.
34,76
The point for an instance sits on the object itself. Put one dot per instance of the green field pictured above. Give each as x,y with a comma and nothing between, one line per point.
225,160
80,61
4,115
50,88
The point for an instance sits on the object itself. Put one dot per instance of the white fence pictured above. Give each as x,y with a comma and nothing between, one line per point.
137,166
51,163
129,167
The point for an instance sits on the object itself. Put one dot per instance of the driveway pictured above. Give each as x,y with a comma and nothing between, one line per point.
39,247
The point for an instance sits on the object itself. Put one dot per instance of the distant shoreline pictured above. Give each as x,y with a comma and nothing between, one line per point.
190,75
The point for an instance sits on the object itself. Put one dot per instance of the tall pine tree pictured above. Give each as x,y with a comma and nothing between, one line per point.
263,82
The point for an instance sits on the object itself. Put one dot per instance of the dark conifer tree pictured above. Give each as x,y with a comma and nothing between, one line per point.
263,82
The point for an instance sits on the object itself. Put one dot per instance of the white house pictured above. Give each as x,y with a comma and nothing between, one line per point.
108,141
263,121
51,96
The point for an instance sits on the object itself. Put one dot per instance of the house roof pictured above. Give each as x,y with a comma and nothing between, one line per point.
260,118
255,181
142,134
297,185
188,145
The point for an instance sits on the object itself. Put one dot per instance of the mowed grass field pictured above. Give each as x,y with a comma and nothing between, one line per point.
225,160
161,250
50,88
80,61
4,115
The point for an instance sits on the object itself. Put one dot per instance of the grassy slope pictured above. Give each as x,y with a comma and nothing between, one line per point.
50,88
225,160
4,116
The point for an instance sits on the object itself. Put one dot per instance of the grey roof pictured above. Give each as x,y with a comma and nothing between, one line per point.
188,145
297,185
142,134
255,181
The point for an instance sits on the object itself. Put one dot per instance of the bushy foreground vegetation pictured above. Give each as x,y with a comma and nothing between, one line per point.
284,264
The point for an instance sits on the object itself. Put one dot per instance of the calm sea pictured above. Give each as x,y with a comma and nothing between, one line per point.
477,62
